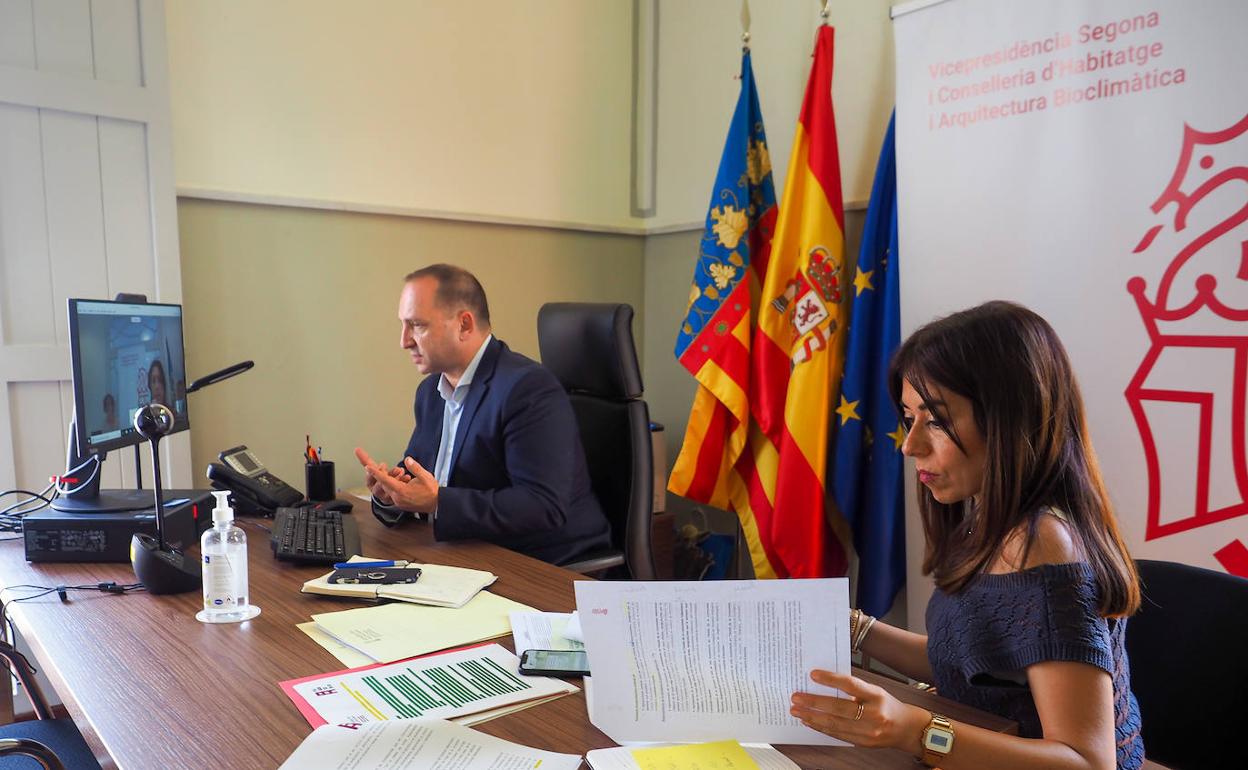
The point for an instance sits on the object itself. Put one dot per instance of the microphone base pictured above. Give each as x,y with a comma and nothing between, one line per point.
163,571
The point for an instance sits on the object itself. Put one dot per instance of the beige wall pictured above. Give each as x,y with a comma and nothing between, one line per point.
700,58
312,297
518,110
507,109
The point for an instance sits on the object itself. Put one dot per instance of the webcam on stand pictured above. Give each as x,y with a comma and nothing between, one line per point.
160,568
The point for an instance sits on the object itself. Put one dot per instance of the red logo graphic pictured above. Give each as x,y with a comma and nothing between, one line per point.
1187,329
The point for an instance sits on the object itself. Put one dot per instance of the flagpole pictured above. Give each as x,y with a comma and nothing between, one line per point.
745,26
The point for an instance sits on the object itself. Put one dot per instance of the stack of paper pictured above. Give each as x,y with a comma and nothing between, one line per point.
542,631
703,660
468,685
438,586
417,745
391,632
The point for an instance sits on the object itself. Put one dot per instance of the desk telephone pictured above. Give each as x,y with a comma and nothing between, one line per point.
255,489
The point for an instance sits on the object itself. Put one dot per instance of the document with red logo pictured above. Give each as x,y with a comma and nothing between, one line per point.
460,684
707,661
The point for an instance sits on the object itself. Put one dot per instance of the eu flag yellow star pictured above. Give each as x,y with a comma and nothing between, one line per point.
862,281
898,436
847,410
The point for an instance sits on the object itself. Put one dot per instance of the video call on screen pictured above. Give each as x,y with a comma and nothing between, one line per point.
129,360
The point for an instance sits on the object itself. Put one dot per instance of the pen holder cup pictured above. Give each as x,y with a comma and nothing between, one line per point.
319,478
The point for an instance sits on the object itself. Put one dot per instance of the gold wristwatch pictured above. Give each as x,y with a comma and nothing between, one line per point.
937,740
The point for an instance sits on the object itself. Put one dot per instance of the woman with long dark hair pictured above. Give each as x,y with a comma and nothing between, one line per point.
157,383
1033,580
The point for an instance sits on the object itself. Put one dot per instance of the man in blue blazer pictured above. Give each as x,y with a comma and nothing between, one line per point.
496,454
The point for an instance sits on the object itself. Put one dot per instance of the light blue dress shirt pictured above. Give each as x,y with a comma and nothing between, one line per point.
453,407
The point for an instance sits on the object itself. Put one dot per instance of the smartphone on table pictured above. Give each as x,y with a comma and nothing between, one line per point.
375,575
554,663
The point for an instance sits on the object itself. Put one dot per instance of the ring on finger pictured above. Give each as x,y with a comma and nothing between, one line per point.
861,707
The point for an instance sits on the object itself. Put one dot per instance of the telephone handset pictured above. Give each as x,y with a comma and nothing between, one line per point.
255,489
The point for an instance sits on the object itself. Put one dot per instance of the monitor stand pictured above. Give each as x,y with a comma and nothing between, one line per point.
88,498
116,500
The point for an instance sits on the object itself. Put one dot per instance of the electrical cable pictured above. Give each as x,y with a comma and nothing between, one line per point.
106,587
39,495
11,516
95,470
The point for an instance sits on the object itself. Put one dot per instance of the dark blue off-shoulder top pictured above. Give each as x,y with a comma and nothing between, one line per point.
981,640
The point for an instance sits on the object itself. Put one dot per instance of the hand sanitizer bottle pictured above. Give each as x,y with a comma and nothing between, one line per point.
224,551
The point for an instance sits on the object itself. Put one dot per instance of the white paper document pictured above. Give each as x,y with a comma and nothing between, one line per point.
447,685
418,744
541,631
703,661
573,629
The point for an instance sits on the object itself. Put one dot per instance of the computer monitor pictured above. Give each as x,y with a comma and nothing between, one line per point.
124,355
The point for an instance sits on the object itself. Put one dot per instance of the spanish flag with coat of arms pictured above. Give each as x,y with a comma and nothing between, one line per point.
764,336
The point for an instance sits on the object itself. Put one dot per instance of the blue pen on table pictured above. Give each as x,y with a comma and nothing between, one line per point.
370,564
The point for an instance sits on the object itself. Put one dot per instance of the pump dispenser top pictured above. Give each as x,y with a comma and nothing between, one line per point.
223,513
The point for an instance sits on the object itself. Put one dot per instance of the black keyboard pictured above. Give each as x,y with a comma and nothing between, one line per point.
312,536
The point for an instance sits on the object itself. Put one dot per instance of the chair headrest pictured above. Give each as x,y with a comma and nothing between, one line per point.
589,348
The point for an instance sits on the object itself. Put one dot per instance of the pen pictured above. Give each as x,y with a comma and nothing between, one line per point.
369,564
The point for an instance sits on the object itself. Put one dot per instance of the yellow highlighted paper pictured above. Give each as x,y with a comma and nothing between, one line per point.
720,755
345,655
391,632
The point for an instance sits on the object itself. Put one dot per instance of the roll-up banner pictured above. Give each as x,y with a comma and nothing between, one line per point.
1089,159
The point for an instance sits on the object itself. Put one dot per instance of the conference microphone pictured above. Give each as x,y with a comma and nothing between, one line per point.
158,567
224,374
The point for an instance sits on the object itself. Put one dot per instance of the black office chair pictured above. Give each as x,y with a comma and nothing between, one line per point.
589,348
45,742
1186,646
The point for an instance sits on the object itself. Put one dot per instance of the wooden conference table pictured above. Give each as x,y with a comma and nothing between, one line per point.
151,687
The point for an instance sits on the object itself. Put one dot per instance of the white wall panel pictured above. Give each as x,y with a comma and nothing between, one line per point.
86,208
17,33
27,314
39,427
115,40
63,37
8,448
127,209
71,170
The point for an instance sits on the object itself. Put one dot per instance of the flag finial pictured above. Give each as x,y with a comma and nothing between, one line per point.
825,11
745,25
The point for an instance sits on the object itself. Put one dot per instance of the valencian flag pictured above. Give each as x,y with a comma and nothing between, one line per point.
788,364
867,475
714,339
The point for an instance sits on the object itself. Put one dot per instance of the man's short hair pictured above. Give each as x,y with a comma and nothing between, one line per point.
457,288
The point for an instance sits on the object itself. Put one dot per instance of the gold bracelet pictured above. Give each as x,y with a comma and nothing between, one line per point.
855,615
864,627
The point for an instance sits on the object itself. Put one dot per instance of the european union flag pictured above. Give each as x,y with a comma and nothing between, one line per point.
867,475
